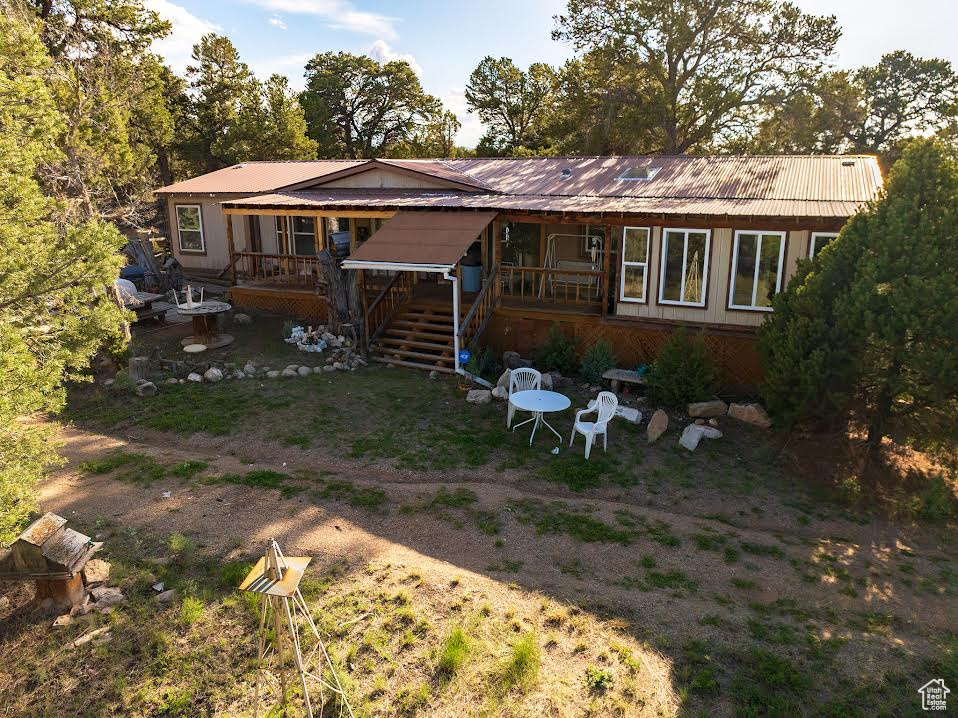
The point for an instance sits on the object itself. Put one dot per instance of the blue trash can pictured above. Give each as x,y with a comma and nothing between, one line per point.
471,278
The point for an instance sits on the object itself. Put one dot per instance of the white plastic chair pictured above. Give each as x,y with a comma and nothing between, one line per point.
522,379
604,407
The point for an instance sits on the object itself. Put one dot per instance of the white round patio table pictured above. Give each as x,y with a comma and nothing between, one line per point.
539,402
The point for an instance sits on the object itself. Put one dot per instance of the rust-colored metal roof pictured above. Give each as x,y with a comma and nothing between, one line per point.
783,186
426,238
335,200
252,177
833,178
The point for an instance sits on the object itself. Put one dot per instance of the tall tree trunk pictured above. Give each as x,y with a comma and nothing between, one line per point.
882,410
343,295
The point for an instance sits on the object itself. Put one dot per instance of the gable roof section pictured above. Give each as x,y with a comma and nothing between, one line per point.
253,177
436,170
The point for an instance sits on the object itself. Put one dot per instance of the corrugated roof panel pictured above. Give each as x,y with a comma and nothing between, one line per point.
429,238
257,177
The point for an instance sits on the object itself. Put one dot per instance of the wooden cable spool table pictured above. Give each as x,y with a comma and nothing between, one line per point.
205,325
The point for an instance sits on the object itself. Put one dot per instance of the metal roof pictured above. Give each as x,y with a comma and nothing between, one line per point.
787,185
252,177
334,200
425,238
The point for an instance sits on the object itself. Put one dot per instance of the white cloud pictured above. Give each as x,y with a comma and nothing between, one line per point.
382,52
471,130
338,14
293,66
177,47
277,22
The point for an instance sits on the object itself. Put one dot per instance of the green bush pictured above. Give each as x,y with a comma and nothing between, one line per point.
557,353
684,371
484,363
597,361
598,680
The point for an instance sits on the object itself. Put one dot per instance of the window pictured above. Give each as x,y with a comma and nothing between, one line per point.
635,264
819,240
757,261
639,173
300,234
189,226
684,267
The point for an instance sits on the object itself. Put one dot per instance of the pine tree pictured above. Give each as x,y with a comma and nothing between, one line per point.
871,325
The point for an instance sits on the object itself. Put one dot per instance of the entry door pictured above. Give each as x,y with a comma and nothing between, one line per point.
253,231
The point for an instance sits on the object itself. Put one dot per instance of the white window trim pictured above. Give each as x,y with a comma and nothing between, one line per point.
760,234
644,265
685,247
812,249
179,230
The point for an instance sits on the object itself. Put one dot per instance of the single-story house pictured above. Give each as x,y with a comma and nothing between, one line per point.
461,252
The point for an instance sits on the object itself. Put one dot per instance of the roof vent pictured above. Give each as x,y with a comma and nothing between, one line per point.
645,172
848,163
566,172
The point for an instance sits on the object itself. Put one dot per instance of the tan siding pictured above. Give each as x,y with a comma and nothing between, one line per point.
383,179
214,235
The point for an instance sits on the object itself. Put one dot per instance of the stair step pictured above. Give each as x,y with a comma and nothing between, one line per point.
421,325
417,317
414,365
390,351
400,342
398,333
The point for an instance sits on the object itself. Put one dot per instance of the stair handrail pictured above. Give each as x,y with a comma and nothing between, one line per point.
479,313
386,303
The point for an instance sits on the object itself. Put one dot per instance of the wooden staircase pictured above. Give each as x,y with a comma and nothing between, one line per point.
419,336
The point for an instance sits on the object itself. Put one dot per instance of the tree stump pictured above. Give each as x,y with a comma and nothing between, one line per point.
343,295
139,368
64,593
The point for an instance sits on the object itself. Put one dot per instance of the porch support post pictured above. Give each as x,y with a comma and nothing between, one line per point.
606,267
459,282
365,298
229,245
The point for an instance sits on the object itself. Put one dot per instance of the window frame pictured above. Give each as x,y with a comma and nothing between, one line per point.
291,233
812,249
180,230
780,274
645,265
706,267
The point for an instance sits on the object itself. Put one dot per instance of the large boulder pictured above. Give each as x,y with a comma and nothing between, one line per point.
546,382
249,368
500,393
706,409
96,571
145,388
272,374
504,379
213,375
107,597
629,414
290,371
304,371
193,376
657,426
512,360
751,414
479,396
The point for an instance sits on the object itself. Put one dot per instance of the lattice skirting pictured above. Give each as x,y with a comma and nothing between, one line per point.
308,306
736,356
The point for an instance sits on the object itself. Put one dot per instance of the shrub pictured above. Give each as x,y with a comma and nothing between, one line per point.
191,610
557,353
180,545
453,652
684,371
599,680
598,360
484,363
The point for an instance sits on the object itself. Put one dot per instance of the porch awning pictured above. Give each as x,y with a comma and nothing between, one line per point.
424,241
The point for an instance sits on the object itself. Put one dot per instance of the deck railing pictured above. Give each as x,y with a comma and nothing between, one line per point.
287,269
552,285
474,323
388,301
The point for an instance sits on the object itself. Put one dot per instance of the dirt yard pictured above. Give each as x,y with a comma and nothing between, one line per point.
648,582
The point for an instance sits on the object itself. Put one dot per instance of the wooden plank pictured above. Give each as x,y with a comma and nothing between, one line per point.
396,341
414,365
277,212
229,245
392,352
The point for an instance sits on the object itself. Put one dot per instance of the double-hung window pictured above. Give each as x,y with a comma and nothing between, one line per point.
635,264
189,227
819,240
758,259
684,267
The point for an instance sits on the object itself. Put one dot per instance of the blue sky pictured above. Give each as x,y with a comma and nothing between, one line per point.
445,39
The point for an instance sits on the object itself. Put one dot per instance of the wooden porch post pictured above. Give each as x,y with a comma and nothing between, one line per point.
459,284
365,298
229,244
606,268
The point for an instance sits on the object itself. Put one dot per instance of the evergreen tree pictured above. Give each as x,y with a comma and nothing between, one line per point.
54,312
872,324
270,125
